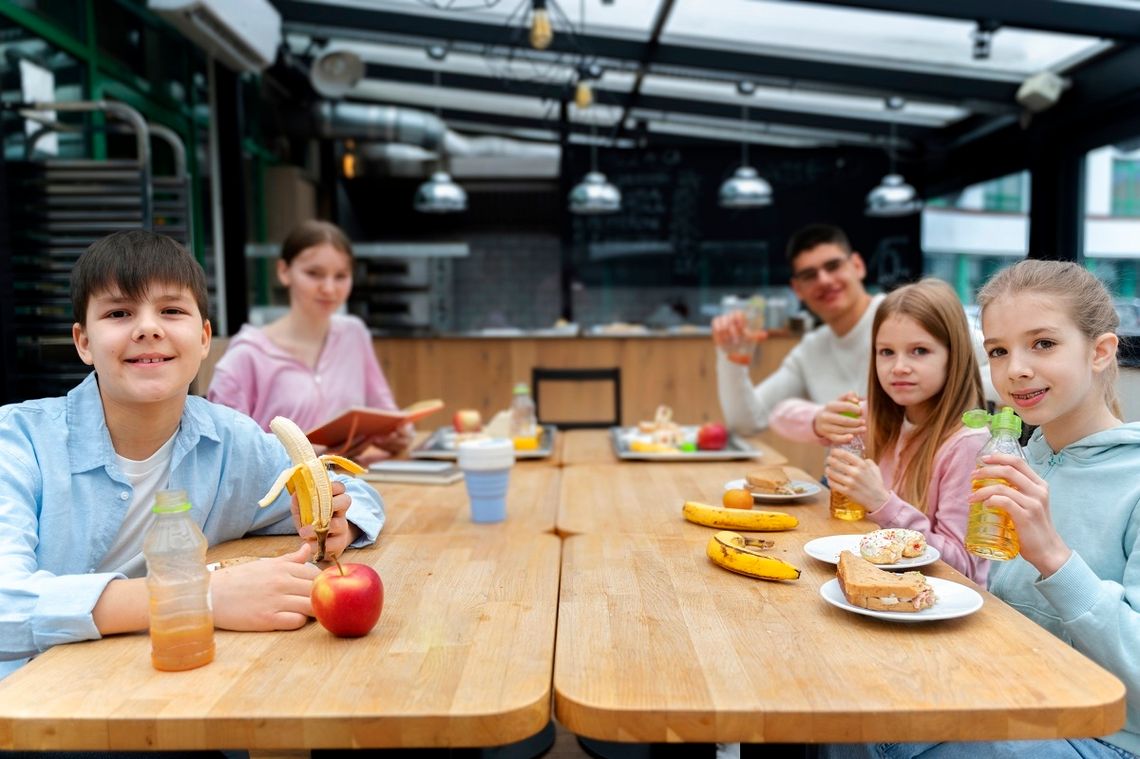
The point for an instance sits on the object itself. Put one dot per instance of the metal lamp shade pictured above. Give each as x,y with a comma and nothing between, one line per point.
893,197
440,195
594,195
745,189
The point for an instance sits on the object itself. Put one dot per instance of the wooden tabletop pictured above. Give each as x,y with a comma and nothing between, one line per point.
656,643
462,656
647,497
532,505
581,447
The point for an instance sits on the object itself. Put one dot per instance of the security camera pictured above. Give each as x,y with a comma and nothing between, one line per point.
1040,91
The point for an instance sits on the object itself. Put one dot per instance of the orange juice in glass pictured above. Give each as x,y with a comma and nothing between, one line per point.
741,349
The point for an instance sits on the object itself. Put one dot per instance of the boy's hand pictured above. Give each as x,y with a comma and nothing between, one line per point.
832,421
1026,500
857,478
340,534
732,327
267,594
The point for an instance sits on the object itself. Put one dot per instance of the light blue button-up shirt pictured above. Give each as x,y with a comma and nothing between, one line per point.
63,498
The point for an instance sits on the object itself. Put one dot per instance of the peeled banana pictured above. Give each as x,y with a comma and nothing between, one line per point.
749,520
739,554
308,479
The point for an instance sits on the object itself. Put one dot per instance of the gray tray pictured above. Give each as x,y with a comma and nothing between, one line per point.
736,448
441,445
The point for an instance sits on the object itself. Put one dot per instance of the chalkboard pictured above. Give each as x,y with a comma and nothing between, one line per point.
672,232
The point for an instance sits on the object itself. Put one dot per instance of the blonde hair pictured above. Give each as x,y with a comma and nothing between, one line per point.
1078,291
935,306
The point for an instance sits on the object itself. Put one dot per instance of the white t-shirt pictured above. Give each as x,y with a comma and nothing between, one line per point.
146,478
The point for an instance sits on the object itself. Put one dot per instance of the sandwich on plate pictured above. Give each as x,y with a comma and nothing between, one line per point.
869,587
769,480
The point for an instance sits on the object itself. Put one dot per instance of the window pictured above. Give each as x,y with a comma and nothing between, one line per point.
1112,225
1126,187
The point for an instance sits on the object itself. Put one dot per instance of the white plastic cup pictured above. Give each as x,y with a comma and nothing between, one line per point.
486,466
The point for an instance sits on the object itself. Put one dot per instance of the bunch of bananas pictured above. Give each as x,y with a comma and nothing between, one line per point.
308,479
749,520
739,554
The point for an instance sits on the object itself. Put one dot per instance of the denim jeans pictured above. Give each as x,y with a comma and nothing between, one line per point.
1075,748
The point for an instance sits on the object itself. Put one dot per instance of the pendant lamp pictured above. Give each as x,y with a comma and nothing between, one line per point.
893,196
745,188
594,194
440,194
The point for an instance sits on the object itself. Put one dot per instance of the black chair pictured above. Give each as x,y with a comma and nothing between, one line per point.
539,375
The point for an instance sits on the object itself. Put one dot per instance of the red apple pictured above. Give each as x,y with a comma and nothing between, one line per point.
347,599
467,420
712,437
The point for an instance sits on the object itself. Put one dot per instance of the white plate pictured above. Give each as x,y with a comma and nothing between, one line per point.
828,549
954,600
807,488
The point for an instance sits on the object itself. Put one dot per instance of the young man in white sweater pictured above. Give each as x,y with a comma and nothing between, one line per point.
833,359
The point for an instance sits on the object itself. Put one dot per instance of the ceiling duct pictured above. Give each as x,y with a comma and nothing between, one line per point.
382,123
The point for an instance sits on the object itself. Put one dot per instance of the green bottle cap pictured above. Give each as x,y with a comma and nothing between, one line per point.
850,414
1006,420
170,502
976,418
521,388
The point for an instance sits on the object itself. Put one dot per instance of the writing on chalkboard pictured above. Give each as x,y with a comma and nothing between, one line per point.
671,230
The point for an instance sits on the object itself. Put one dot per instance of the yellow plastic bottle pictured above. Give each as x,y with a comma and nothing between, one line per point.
181,620
841,506
990,532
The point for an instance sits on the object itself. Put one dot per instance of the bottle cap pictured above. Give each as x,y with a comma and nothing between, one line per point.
170,502
976,418
850,414
1005,419
521,388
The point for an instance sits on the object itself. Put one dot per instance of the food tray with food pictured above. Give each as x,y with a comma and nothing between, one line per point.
443,444
633,445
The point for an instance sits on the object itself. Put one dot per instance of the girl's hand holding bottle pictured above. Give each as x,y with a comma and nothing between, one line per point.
857,478
1026,500
840,420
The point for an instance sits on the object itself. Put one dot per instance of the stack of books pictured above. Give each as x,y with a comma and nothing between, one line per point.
418,471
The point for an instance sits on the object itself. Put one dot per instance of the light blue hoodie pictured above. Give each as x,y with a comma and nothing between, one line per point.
1093,601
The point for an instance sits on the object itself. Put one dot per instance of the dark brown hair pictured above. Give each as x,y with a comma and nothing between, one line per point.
815,234
130,262
935,306
314,232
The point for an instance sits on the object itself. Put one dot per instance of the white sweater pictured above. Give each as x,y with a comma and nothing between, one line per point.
821,368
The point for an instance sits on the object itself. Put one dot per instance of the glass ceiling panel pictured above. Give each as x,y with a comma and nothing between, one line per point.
628,18
894,39
802,101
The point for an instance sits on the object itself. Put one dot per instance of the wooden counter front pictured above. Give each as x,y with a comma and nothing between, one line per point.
462,656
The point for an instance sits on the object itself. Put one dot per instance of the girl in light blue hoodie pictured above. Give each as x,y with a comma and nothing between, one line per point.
1049,331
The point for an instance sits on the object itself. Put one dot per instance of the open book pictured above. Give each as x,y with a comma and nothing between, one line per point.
357,425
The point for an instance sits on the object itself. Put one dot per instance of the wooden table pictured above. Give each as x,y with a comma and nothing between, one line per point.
647,497
594,447
656,643
532,505
462,656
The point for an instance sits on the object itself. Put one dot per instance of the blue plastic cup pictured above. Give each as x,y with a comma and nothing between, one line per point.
486,466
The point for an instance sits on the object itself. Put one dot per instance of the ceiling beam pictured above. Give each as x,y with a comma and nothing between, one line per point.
1090,20
358,22
631,101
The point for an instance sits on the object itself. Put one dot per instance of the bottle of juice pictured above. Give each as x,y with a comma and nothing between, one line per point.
990,532
524,431
181,620
841,506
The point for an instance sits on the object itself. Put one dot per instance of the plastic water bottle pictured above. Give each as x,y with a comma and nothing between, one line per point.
841,506
522,414
181,620
990,532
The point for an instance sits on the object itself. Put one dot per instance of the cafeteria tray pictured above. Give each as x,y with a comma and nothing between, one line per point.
735,448
441,445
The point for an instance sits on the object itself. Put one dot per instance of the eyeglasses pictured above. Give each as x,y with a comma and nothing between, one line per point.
805,276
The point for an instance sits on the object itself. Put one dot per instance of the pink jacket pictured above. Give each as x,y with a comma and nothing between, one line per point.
259,378
944,523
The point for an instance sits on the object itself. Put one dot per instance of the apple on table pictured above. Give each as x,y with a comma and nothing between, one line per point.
347,599
467,420
712,437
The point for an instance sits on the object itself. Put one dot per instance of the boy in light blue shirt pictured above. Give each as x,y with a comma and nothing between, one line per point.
78,474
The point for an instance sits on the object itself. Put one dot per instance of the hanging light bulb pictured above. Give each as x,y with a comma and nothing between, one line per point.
440,194
541,30
745,188
893,196
594,194
583,95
